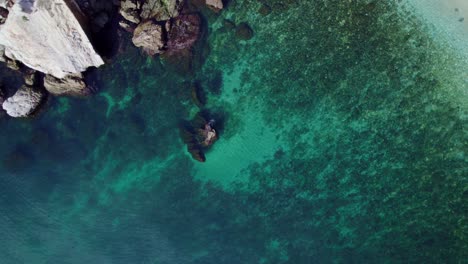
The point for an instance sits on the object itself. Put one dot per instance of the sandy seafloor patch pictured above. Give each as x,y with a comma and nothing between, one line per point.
344,141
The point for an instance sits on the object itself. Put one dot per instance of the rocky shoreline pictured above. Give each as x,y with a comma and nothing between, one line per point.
57,60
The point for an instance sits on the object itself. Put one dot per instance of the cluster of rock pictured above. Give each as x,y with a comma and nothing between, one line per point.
46,41
49,43
162,26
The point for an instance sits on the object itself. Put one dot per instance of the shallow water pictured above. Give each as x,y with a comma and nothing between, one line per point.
343,141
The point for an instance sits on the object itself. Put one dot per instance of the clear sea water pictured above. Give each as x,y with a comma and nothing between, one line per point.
343,140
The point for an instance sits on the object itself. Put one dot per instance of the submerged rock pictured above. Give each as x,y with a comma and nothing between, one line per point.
24,102
46,35
244,31
72,84
149,36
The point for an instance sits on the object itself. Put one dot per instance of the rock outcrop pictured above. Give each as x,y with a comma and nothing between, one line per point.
46,35
24,102
72,84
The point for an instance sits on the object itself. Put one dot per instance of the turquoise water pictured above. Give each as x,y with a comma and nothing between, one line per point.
343,140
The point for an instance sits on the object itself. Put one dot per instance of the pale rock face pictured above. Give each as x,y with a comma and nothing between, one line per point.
24,102
45,35
215,4
149,36
72,84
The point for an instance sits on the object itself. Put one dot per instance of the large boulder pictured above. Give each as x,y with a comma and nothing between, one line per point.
149,36
24,102
46,35
72,84
160,10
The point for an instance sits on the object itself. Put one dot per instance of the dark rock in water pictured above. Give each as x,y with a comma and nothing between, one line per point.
244,31
198,134
183,32
207,135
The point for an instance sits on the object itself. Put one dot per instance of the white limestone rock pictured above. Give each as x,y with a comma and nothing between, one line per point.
46,35
24,102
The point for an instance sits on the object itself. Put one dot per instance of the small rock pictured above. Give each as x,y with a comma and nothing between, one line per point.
30,77
72,84
215,5
149,36
24,102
